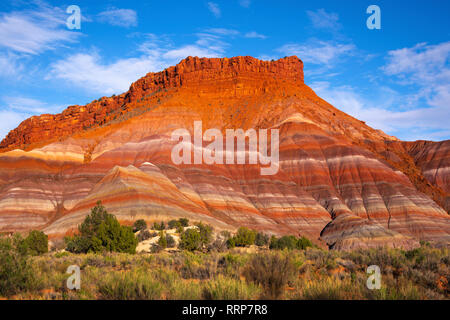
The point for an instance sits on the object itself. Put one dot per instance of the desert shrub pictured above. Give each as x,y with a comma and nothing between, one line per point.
244,237
223,288
36,243
218,245
329,289
16,272
205,233
144,235
231,264
190,240
285,242
196,267
261,239
304,243
139,225
162,242
130,286
382,257
180,229
184,222
231,243
100,231
271,271
170,241
159,226
173,224
225,234
289,242
155,248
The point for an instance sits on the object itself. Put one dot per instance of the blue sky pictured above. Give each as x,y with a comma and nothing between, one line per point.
396,79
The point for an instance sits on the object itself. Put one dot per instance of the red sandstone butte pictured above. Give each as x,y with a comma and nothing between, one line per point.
340,181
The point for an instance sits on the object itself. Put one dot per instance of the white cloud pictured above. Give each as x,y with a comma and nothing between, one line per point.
223,31
321,19
33,32
10,65
420,63
427,68
254,34
318,52
189,50
16,109
9,120
88,71
245,3
412,124
24,104
214,8
119,17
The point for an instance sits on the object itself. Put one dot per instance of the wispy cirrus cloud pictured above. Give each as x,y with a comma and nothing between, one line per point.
215,9
318,52
10,65
321,19
254,34
386,113
30,105
15,109
420,64
119,17
34,31
223,31
425,68
10,120
90,72
245,3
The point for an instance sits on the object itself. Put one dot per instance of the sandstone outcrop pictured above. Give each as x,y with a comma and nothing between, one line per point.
340,182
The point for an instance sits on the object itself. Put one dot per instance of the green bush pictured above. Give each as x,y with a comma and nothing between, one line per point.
144,235
139,225
231,243
162,242
173,224
244,237
304,243
16,272
190,240
289,242
205,233
36,242
261,239
159,226
184,222
101,231
170,241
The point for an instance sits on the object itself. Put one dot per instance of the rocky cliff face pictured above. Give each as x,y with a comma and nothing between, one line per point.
339,182
222,74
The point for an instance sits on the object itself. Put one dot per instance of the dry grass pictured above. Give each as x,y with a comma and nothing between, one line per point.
423,273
